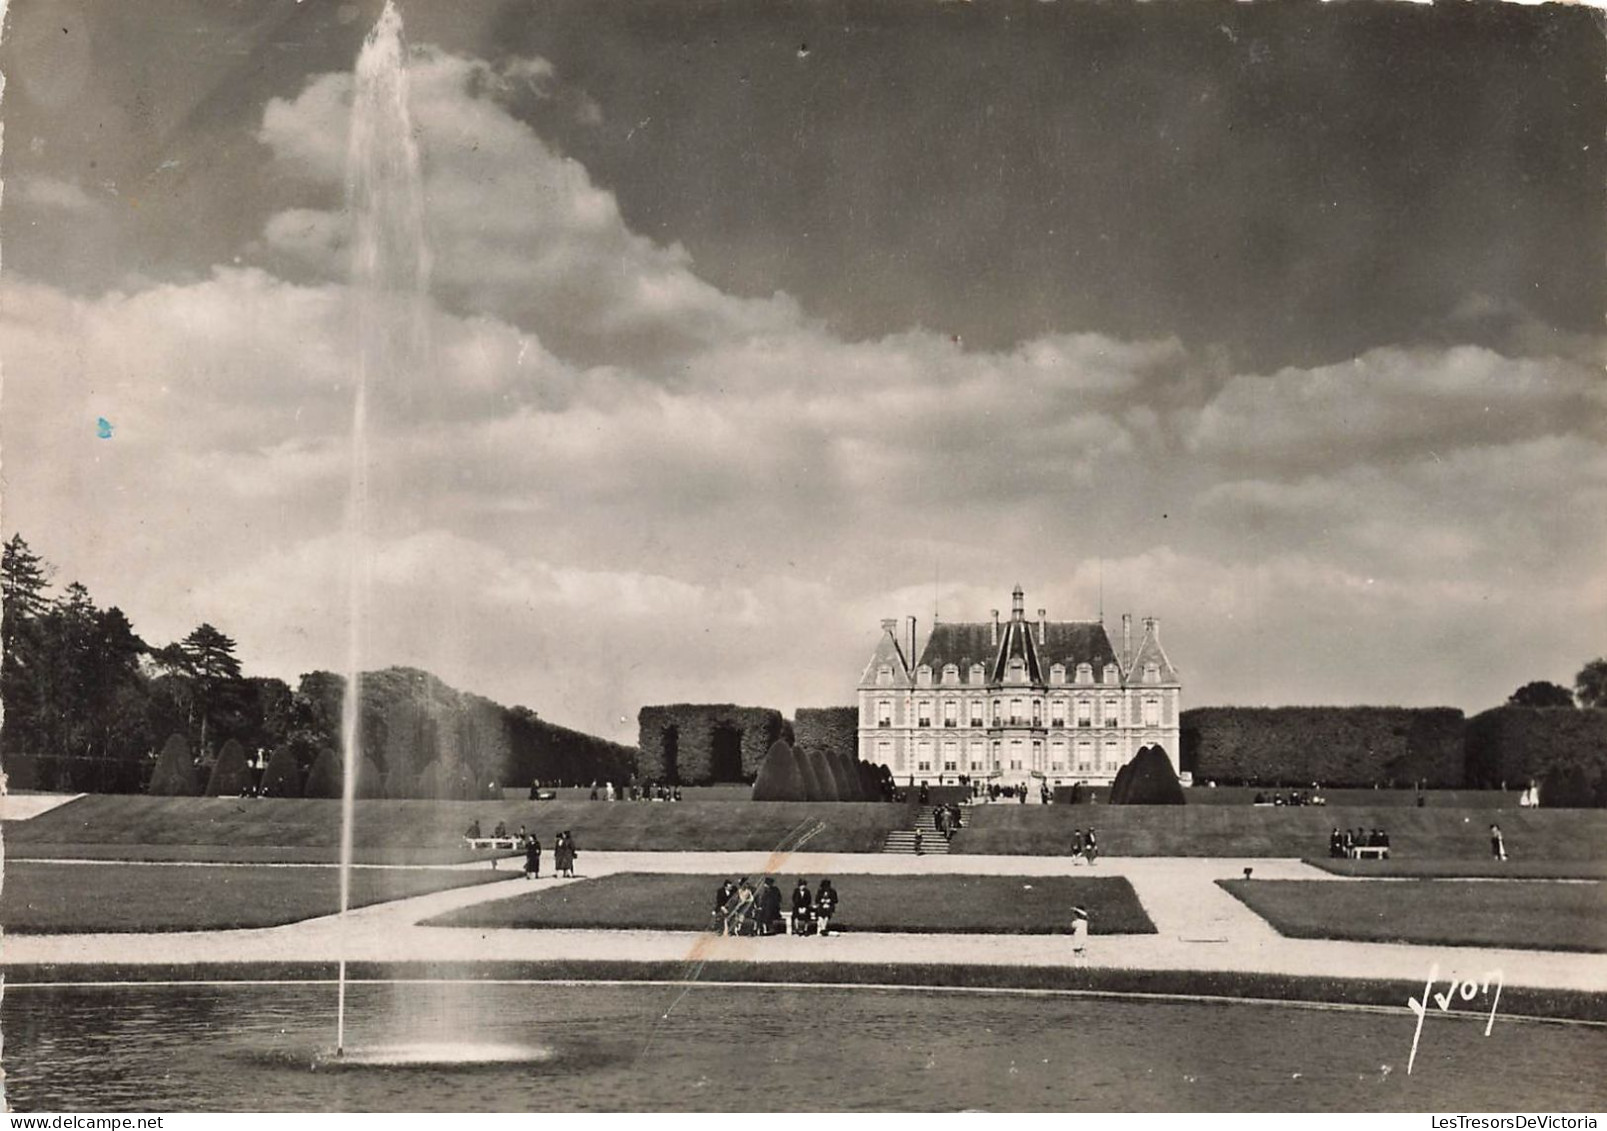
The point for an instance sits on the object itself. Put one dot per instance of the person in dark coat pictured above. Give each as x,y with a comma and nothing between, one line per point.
1336,844
473,831
723,899
771,907
825,906
1090,846
802,908
532,857
1076,842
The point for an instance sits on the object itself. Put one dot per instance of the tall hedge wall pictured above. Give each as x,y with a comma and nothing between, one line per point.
831,730
1336,746
695,725
1562,748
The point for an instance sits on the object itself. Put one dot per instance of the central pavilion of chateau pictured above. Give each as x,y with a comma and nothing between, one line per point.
1017,702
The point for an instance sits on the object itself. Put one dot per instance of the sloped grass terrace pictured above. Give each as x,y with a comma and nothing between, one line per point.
293,830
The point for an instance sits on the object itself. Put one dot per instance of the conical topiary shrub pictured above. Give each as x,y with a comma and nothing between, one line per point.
808,776
848,788
1147,780
870,786
428,782
779,776
819,769
282,778
370,783
230,773
324,779
174,774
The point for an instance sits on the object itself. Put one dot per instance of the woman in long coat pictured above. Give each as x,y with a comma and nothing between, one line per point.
532,857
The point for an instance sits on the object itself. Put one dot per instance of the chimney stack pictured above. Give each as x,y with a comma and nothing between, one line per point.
1042,616
995,637
1127,637
912,642
1152,627
1018,603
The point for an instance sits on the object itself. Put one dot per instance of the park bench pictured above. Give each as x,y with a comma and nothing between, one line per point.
1369,852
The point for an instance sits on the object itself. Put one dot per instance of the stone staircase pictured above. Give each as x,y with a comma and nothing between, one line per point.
933,843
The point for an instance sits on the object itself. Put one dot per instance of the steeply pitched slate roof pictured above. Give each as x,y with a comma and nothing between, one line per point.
890,653
1065,642
961,645
1149,651
1076,642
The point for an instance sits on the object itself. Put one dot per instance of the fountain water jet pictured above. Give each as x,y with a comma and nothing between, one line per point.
389,281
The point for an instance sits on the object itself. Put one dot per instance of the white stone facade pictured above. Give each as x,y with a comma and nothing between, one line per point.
1018,702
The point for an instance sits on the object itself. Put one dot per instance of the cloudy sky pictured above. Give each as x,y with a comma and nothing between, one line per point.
752,324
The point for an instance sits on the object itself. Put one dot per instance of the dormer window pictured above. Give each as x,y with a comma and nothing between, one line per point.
1111,674
1057,673
951,673
1017,671
923,675
884,675
978,673
1152,673
1085,673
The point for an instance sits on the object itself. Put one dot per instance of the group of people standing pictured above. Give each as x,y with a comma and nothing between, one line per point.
563,855
1343,843
742,908
1085,845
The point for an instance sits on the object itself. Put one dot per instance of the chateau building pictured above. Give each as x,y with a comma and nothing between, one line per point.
1018,702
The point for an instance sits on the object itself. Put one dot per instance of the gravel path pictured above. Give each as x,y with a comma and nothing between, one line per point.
1200,927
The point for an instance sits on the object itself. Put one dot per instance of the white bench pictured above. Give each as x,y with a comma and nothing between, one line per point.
1369,852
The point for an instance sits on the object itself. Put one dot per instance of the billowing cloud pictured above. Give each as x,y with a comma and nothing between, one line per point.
600,481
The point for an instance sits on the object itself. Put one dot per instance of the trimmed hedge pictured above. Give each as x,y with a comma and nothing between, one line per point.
174,775
1336,746
694,726
230,773
1147,780
779,778
282,777
831,730
1563,749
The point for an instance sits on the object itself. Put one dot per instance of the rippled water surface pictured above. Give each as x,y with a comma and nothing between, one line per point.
178,1048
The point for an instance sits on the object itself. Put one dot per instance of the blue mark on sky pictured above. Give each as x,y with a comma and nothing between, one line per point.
103,428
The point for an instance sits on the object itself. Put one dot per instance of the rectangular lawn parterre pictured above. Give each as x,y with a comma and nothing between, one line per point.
1526,915
43,898
1485,868
920,904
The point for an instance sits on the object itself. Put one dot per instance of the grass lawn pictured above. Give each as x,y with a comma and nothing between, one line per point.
387,827
1302,832
81,898
923,904
1485,868
1532,915
247,853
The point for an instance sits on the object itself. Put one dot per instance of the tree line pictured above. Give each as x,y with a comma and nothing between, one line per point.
90,706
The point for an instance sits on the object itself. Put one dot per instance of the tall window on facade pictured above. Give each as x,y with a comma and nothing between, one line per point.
1057,713
1113,712
951,713
1110,756
976,712
997,717
1085,756
884,754
1152,712
1037,712
1015,710
923,713
884,713
1084,713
